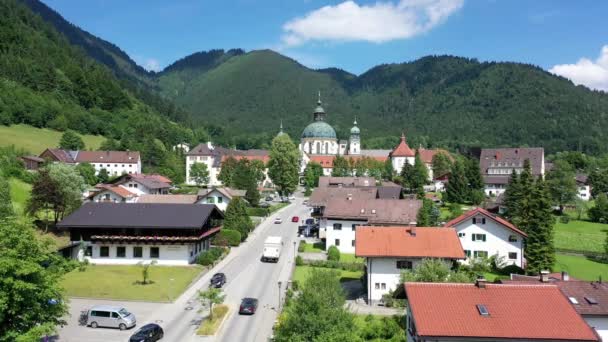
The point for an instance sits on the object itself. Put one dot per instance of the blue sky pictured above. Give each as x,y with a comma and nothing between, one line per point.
566,36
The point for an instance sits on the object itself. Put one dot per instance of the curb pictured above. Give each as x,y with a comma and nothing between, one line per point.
219,327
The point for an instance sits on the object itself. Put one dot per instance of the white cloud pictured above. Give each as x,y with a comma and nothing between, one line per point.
152,64
377,23
593,74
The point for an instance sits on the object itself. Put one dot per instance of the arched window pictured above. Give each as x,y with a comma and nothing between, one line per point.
326,148
318,149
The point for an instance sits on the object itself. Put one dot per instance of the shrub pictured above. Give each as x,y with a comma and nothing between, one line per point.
302,246
227,237
210,256
299,261
564,219
333,253
346,266
260,212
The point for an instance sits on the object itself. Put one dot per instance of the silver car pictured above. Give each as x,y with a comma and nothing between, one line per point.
110,317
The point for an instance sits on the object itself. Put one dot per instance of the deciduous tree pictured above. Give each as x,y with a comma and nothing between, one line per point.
87,172
284,164
341,167
236,217
227,171
562,183
6,203
441,164
71,141
212,296
199,174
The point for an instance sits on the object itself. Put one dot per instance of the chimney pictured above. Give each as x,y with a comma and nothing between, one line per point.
373,211
565,276
349,197
108,153
209,145
413,231
481,282
544,276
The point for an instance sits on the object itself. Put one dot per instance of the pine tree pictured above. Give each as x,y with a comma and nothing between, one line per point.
71,141
537,221
236,217
428,215
475,181
512,196
420,176
407,173
457,188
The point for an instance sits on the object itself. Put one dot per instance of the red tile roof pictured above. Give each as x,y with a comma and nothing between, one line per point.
481,211
262,158
525,312
402,149
427,155
127,157
328,161
118,190
155,177
428,242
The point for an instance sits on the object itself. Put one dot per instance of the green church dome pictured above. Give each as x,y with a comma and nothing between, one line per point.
355,130
319,129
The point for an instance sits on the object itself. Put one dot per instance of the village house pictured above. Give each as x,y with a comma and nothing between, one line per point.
497,164
114,162
442,312
390,250
346,182
342,216
32,163
483,235
144,184
181,198
583,187
108,193
220,196
129,233
588,298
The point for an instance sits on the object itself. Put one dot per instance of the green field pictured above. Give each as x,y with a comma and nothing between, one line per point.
581,236
120,282
36,140
317,247
581,267
301,273
20,193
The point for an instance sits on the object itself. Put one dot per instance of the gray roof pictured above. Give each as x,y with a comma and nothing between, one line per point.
188,199
375,211
325,181
226,191
389,192
321,196
375,153
510,158
140,215
496,179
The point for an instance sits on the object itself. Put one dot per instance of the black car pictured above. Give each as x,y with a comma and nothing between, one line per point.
248,306
217,280
269,199
148,333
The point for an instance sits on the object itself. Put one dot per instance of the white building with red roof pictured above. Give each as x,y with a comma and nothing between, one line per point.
483,234
442,312
390,250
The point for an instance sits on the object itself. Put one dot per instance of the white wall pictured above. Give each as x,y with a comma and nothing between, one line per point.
600,324
346,235
398,163
497,239
168,254
494,189
117,169
584,192
208,160
101,197
319,146
217,198
137,188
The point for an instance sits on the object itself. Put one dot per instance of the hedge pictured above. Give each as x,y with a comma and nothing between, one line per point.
210,256
261,212
347,266
227,237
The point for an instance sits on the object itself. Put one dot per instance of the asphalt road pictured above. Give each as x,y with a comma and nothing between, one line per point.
246,276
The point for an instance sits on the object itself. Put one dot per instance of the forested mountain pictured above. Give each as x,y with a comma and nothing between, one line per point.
46,82
448,101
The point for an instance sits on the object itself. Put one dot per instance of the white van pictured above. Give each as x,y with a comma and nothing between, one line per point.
110,317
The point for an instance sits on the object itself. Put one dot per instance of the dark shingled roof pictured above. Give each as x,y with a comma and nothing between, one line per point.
140,215
325,181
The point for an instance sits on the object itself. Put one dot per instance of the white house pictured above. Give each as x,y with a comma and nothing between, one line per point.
112,194
483,234
144,184
497,164
482,312
341,217
220,196
402,154
114,162
129,233
583,187
390,250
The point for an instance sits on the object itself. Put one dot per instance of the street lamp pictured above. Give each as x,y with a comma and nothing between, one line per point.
279,306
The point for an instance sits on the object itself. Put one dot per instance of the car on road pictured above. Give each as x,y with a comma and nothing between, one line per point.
248,306
217,280
110,317
269,199
148,333
310,221
295,219
292,198
278,220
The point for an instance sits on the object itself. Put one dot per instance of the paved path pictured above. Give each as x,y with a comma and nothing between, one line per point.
313,256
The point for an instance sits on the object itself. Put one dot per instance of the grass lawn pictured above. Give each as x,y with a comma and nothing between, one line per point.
580,235
350,258
35,140
317,247
581,267
20,193
120,282
301,273
210,326
491,277
277,207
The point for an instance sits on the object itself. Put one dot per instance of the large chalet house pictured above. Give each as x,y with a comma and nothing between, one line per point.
390,250
341,217
483,235
115,163
129,233
447,312
588,298
497,164
402,154
130,187
213,156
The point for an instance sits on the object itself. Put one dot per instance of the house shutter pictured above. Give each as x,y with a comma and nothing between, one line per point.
473,237
484,237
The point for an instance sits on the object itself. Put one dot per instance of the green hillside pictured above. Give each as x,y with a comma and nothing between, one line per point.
35,140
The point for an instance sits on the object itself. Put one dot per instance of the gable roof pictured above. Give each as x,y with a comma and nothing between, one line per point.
117,190
481,211
374,211
226,191
188,199
584,290
389,192
325,181
140,215
321,196
525,312
427,155
402,149
58,155
126,157
509,158
408,242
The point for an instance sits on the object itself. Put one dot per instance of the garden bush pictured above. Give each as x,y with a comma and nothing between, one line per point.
299,261
346,266
302,246
260,212
564,219
209,257
333,253
227,237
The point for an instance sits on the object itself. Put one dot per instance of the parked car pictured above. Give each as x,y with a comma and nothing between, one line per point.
310,221
292,198
295,219
269,198
278,220
217,280
248,306
264,205
148,333
110,317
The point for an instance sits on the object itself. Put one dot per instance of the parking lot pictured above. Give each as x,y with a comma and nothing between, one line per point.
75,331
